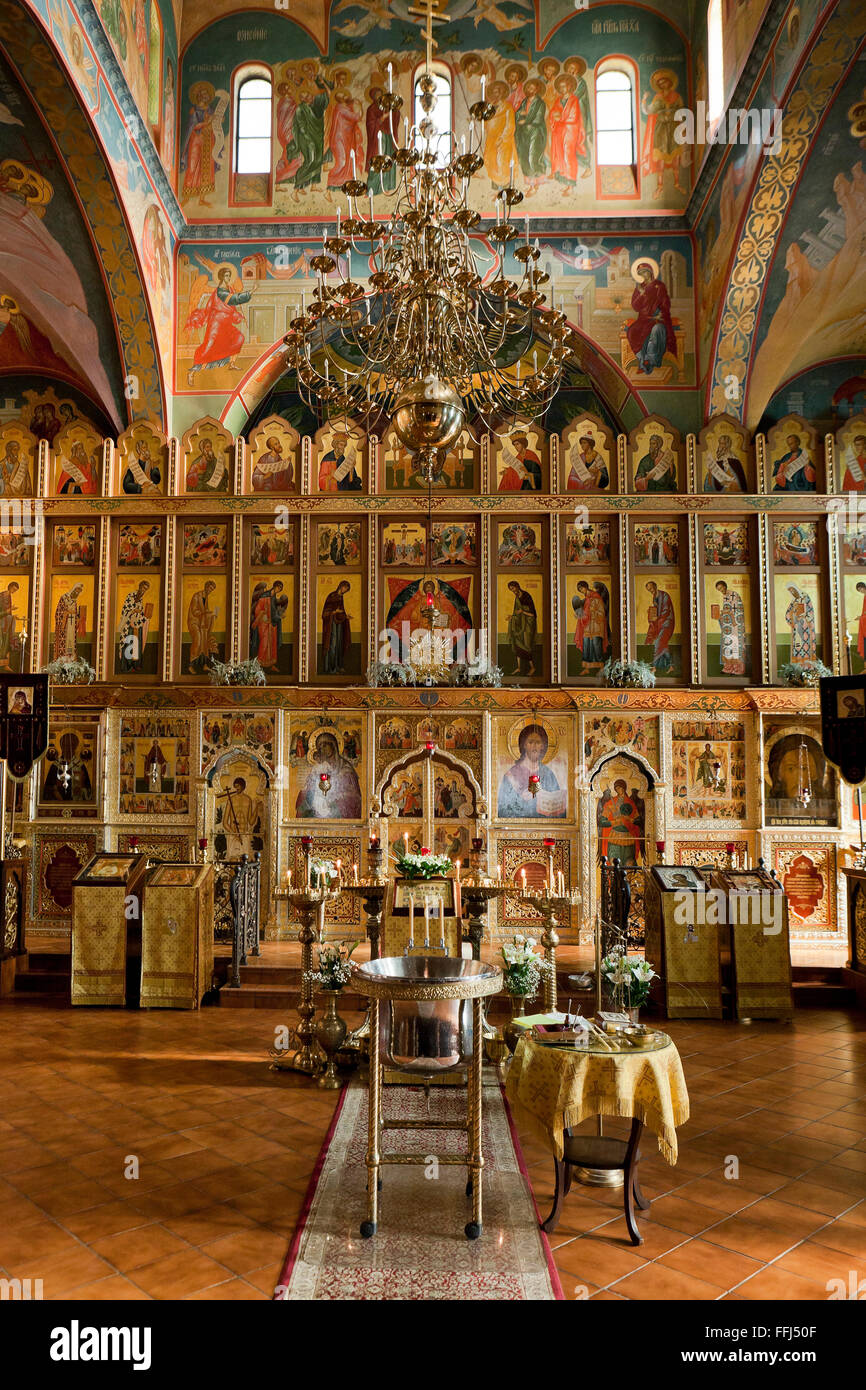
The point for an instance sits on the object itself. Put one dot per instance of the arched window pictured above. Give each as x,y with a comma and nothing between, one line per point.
253,125
715,63
614,117
440,114
154,72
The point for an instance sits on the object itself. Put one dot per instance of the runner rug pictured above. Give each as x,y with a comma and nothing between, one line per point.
420,1250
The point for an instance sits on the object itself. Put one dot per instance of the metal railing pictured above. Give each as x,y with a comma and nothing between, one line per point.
245,898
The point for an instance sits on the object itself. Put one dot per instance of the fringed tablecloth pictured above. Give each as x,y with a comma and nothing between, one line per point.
553,1089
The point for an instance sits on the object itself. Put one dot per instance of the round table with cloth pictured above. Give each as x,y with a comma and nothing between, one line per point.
553,1089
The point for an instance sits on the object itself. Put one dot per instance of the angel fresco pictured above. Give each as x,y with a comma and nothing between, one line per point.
47,323
382,13
213,308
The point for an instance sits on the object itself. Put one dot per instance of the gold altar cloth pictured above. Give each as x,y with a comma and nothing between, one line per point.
177,936
554,1089
106,916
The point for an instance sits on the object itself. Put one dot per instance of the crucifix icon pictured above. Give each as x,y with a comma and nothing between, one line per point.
433,15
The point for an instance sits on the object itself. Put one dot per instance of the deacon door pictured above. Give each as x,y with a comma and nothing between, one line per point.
431,802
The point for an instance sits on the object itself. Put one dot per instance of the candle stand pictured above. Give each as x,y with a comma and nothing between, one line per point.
309,903
477,894
372,894
552,907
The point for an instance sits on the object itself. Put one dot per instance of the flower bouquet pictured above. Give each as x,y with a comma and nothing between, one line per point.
423,865
628,977
334,967
522,969
322,872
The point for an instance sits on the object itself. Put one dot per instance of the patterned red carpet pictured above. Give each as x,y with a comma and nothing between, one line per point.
420,1250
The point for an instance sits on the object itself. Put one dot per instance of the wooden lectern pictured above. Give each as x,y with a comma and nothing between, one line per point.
756,911
106,929
682,941
177,936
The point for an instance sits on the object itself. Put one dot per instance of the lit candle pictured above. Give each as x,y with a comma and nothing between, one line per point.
339,873
354,873
523,880
288,880
549,846
406,841
483,86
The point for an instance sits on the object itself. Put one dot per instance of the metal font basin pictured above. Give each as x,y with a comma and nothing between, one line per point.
425,1024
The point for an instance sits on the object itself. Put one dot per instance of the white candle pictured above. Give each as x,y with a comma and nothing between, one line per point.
354,165
354,873
390,77
442,917
406,841
483,86
338,221
380,138
427,923
511,171
411,921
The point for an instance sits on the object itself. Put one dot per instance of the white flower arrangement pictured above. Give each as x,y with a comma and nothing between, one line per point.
423,865
334,966
523,969
630,976
321,870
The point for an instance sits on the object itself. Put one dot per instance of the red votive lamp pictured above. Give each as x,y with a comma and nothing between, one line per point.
548,840
306,841
477,844
431,747
375,843
133,842
660,847
534,783
202,844
425,849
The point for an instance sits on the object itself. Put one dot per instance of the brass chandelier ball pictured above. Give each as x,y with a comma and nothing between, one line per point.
429,414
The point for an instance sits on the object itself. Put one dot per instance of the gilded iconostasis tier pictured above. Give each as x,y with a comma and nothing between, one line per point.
678,776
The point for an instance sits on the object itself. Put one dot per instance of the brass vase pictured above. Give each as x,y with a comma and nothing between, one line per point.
330,1032
511,1033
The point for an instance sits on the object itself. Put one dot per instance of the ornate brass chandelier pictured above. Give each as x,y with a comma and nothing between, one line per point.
437,339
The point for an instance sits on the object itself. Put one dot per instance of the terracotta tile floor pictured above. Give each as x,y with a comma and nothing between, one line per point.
223,1150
